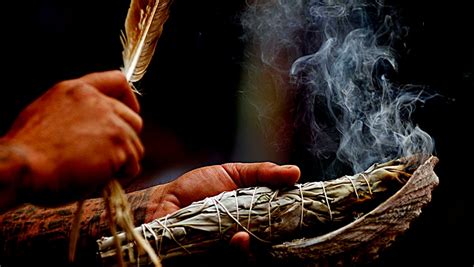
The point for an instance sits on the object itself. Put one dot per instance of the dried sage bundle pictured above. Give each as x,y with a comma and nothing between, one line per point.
269,216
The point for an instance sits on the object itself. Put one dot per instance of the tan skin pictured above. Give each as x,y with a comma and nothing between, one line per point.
72,140
215,179
28,225
82,133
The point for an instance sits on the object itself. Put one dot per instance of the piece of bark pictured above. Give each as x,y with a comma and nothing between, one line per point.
363,239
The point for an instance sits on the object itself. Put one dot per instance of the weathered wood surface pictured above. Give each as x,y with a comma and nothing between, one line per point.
362,240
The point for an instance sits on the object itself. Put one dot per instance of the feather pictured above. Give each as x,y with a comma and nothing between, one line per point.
143,28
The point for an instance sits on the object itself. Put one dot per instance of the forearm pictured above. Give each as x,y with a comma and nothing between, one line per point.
30,230
12,169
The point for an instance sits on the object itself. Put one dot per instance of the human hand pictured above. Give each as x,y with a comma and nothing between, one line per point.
76,137
212,180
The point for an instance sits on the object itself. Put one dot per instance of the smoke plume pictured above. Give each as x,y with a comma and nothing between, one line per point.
340,57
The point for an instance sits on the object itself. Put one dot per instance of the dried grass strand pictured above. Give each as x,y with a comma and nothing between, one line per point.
302,206
172,235
75,230
146,227
113,228
243,227
271,216
218,215
269,212
236,210
367,181
327,200
251,206
353,186
123,217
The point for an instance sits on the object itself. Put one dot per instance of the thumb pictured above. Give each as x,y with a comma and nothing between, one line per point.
115,85
262,174
240,242
240,250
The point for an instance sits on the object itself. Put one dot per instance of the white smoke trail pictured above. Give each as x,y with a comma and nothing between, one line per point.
342,61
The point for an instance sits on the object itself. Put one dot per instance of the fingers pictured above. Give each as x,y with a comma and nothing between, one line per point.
266,173
134,125
132,118
241,251
241,242
130,154
113,84
131,163
124,103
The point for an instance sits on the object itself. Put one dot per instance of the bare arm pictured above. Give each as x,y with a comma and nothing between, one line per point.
32,231
44,233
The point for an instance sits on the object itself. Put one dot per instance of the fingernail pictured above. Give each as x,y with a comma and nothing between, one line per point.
288,166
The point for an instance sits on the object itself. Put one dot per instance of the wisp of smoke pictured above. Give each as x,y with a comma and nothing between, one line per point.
341,63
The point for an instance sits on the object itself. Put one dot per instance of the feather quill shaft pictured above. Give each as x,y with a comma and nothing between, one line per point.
143,27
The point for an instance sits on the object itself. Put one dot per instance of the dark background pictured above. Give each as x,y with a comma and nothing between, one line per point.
190,91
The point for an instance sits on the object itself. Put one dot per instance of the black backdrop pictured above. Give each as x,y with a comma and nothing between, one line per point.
189,95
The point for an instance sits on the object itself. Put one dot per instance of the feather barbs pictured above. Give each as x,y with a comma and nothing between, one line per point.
143,27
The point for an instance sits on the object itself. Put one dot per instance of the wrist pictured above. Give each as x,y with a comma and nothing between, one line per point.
146,203
13,169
